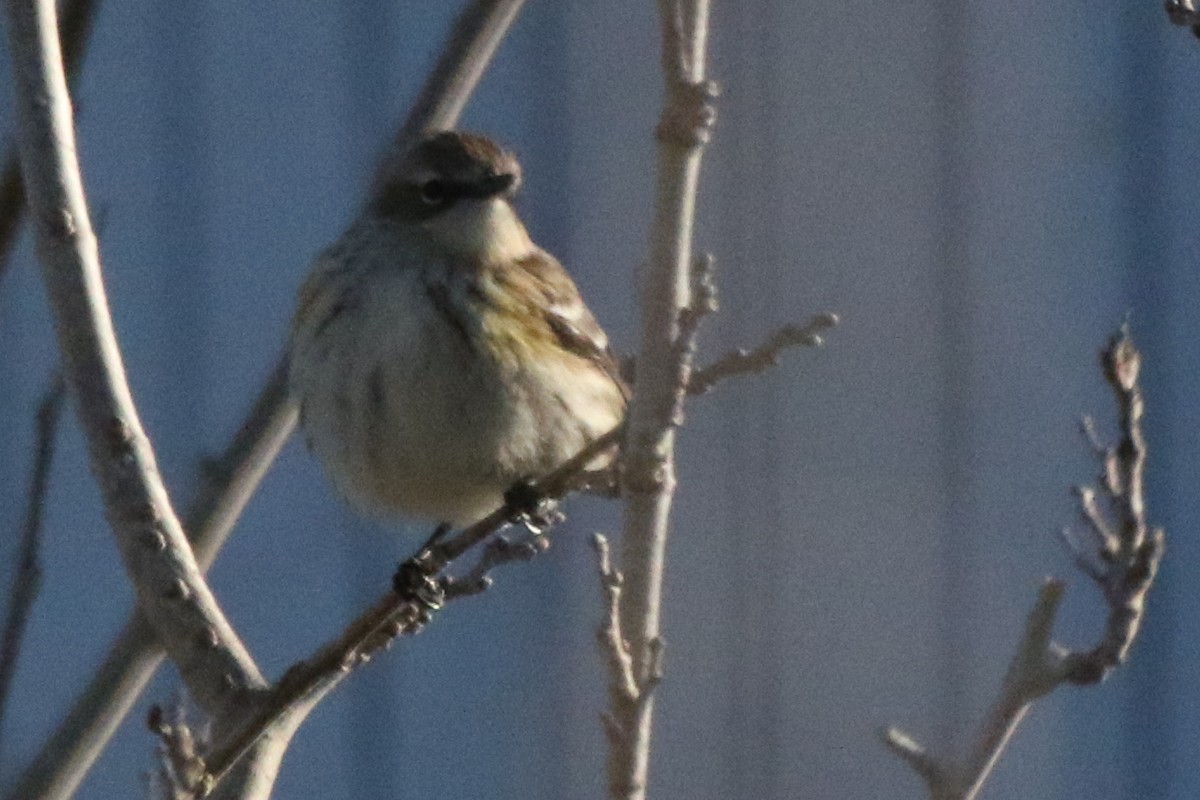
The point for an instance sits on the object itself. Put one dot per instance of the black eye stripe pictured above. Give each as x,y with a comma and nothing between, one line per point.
443,192
440,191
435,192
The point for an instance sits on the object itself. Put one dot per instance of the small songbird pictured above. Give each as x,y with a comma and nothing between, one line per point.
439,356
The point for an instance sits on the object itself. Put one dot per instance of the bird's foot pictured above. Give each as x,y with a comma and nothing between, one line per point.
528,505
415,583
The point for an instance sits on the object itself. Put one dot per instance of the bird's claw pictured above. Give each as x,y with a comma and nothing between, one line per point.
414,583
528,505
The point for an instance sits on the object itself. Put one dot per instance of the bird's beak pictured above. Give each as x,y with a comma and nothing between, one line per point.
492,185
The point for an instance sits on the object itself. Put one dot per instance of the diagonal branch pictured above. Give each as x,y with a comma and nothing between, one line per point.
63,761
29,572
1123,563
75,30
475,35
391,616
229,481
181,609
1034,671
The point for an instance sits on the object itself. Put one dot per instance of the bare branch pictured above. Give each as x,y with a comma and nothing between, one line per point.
474,37
391,616
1123,563
1129,565
229,483
498,551
230,480
136,654
763,357
182,610
622,684
1035,670
75,31
28,575
668,319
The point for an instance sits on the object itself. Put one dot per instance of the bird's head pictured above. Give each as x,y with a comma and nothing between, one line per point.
457,187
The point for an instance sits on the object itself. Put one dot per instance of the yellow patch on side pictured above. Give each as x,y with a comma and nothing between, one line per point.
515,327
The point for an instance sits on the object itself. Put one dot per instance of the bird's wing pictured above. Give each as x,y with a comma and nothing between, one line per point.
568,318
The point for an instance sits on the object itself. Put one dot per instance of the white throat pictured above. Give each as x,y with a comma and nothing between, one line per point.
485,229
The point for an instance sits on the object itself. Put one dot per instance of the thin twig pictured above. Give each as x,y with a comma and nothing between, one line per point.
28,575
230,480
763,357
475,35
1123,560
75,29
1132,550
623,685
498,551
915,755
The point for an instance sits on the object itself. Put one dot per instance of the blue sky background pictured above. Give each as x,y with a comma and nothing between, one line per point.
983,193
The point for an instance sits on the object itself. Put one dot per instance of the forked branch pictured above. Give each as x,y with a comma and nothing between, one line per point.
1116,549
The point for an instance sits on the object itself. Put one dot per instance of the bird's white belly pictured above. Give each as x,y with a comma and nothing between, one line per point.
415,419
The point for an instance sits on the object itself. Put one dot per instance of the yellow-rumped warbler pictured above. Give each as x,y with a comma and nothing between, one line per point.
440,356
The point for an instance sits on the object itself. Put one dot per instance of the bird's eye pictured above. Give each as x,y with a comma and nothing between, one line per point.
433,193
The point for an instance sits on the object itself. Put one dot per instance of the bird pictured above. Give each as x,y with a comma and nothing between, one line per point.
439,357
